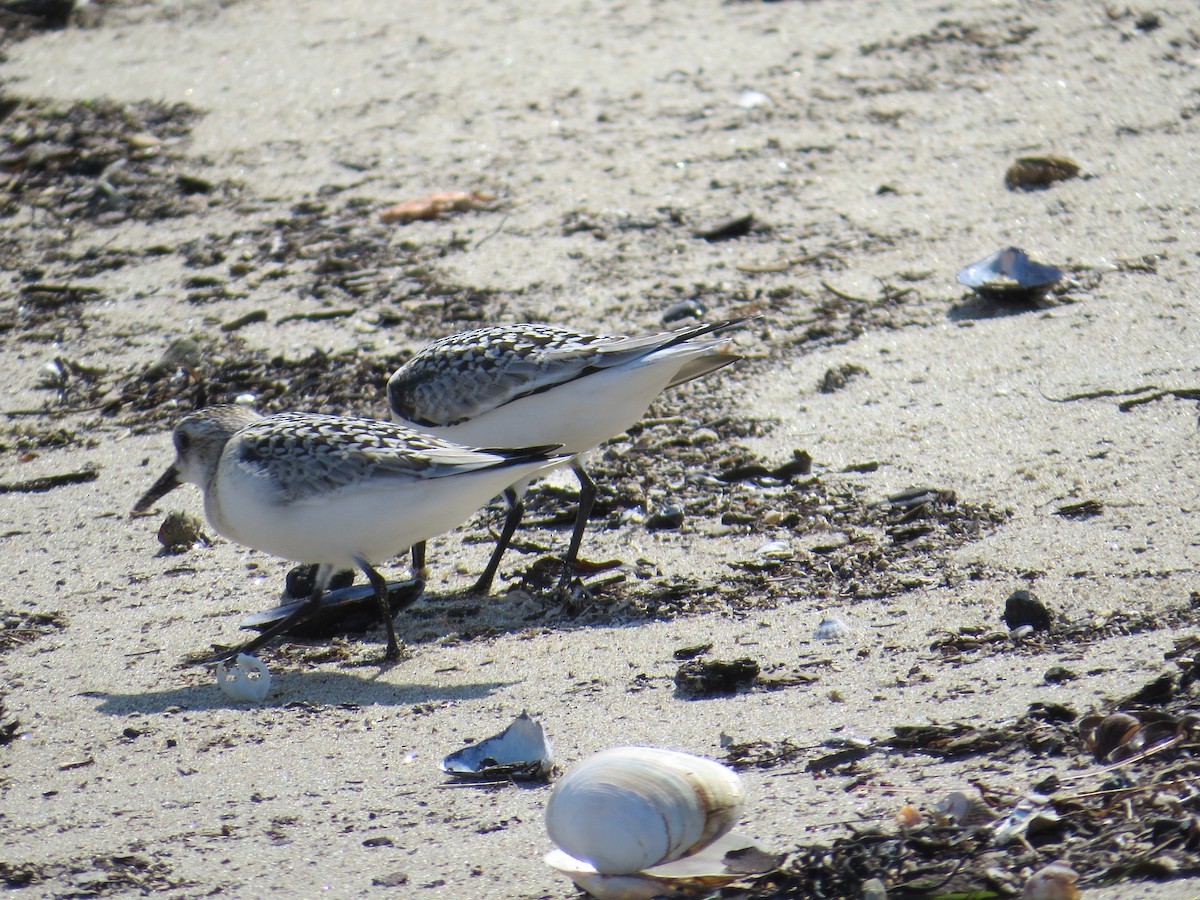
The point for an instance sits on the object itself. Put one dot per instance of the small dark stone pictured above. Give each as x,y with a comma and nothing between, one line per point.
1023,608
728,229
1058,675
666,519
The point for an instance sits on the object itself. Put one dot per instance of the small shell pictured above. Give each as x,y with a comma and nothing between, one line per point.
247,679
632,808
1105,735
832,628
1053,882
521,751
1009,274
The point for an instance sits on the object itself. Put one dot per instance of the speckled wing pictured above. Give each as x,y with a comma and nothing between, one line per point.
466,375
306,457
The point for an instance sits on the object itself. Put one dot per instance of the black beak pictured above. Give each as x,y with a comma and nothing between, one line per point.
167,483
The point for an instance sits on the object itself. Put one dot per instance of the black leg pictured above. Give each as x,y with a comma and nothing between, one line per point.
298,615
385,609
516,511
587,499
418,560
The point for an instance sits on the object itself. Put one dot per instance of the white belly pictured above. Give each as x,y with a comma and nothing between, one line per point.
375,520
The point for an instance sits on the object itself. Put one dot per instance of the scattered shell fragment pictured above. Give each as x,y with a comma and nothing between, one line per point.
727,859
752,99
963,809
247,679
832,628
630,808
433,205
774,550
1010,275
1039,171
348,609
181,531
1053,882
520,752
1023,820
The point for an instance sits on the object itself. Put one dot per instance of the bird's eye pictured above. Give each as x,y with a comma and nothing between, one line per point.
182,442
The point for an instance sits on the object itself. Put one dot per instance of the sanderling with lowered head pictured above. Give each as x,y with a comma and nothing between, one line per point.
334,490
546,383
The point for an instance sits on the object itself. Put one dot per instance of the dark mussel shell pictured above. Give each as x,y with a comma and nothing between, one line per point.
348,609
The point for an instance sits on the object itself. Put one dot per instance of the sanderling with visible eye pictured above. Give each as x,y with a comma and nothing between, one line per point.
334,490
532,383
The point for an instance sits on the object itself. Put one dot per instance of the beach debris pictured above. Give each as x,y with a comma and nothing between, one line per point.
432,206
704,678
8,727
908,816
634,823
1022,608
246,678
1121,735
1030,172
963,809
1053,882
684,309
727,229
1009,275
832,628
1031,816
774,550
181,531
837,377
521,752
692,650
800,464
348,609
752,99
669,518
1084,509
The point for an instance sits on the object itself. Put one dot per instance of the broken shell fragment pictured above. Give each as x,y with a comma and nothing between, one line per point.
348,609
1010,275
247,679
433,205
721,862
1053,882
520,752
632,808
832,628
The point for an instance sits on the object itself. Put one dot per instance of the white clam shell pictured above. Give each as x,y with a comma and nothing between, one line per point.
247,679
631,808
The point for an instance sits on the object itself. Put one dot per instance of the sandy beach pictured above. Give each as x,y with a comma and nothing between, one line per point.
208,177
